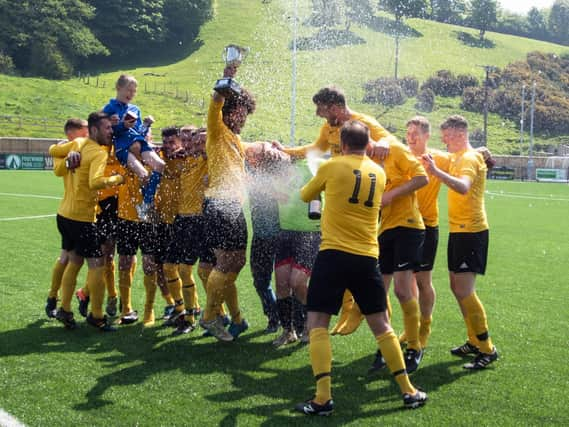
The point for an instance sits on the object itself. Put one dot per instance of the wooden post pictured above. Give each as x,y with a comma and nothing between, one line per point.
97,81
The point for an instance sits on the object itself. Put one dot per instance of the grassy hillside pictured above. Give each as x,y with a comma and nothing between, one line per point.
267,29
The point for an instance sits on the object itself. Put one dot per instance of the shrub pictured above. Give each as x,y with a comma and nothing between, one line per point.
6,64
443,84
410,86
386,91
425,100
466,80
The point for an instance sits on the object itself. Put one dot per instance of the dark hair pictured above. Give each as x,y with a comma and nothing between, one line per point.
95,118
170,131
355,134
455,122
244,99
330,95
421,122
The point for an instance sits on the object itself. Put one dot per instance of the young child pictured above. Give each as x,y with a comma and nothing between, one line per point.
130,140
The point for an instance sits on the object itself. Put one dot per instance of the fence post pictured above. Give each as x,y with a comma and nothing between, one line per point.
45,124
145,90
187,96
20,122
97,81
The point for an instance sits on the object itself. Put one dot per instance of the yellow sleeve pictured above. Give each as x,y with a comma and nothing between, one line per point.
407,163
59,168
321,143
316,185
97,178
61,150
214,119
442,160
468,168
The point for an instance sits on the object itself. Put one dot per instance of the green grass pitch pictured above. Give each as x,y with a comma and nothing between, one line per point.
50,376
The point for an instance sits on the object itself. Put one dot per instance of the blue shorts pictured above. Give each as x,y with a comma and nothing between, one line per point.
122,146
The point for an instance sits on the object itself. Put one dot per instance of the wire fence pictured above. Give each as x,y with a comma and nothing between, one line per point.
19,122
149,85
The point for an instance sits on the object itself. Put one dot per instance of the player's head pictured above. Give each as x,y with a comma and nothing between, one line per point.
75,128
454,132
236,109
170,140
100,128
126,88
354,137
186,133
330,103
418,132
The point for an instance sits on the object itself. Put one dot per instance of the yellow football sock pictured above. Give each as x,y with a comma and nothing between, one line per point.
425,330
411,322
110,279
56,275
203,274
231,298
150,287
477,318
133,268
188,289
347,303
353,320
321,359
174,285
125,283
470,332
391,352
68,283
389,308
96,285
215,294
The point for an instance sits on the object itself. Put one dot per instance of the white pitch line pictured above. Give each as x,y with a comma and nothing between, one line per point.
19,218
31,196
523,196
7,420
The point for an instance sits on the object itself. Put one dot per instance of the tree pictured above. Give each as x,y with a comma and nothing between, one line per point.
537,25
357,11
325,13
483,15
559,21
405,8
48,37
126,27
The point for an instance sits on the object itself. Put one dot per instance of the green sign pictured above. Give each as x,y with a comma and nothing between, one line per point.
551,175
33,161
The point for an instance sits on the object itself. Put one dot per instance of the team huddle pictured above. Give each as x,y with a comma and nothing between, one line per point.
183,205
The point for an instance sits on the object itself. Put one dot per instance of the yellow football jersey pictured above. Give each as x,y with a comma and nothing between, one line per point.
467,213
193,184
113,168
400,167
427,196
353,186
225,158
329,137
81,186
129,196
168,192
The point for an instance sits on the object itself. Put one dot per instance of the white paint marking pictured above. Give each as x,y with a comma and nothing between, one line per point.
19,218
31,196
525,196
7,420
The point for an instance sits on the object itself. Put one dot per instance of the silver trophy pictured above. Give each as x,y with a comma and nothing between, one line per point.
233,55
